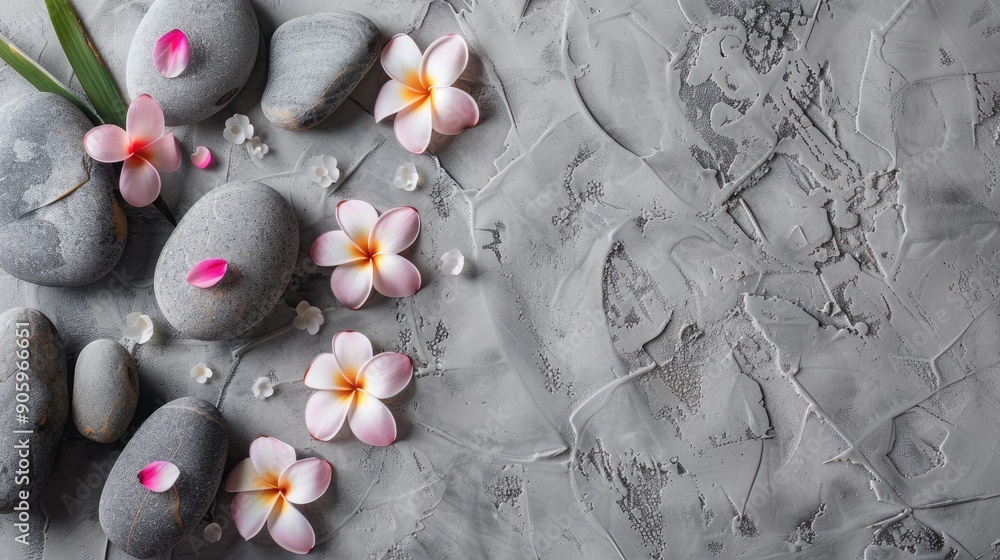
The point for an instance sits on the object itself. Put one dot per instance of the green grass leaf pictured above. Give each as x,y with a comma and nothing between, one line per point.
40,77
89,68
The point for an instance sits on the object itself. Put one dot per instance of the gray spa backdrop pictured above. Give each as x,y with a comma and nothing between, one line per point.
731,288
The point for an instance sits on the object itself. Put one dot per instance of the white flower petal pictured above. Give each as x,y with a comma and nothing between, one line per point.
212,533
262,388
201,372
453,262
138,327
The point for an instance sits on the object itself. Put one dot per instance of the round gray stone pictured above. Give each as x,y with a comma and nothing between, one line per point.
105,390
224,37
256,231
316,61
76,240
34,401
190,433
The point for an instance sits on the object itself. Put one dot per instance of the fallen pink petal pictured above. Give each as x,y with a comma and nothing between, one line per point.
202,157
171,53
207,273
159,476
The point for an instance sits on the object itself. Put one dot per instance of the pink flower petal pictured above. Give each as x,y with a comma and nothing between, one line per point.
356,218
139,182
164,154
107,143
243,478
201,158
159,476
324,374
144,121
171,53
413,126
306,480
394,97
371,420
352,283
290,529
394,230
395,276
335,248
401,60
444,61
326,412
454,110
385,375
207,273
251,509
270,456
352,350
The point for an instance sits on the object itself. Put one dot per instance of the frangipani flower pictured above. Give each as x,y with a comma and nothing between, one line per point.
262,388
159,476
267,484
171,53
143,147
309,318
202,157
420,92
201,372
453,262
406,177
258,148
207,273
351,381
238,129
364,250
138,327
322,170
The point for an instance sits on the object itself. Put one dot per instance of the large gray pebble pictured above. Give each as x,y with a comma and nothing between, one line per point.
105,390
224,37
35,380
76,240
256,231
316,61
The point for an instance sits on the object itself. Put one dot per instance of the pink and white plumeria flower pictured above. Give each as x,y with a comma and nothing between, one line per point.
143,147
350,382
420,92
364,250
268,484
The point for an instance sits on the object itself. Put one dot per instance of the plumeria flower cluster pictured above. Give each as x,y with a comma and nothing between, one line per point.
322,170
238,130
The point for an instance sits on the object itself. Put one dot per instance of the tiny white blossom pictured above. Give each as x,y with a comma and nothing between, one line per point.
322,170
238,129
212,532
262,388
201,372
257,147
406,177
138,327
453,262
309,318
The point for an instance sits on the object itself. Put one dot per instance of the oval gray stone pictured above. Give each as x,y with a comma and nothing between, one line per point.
105,390
71,242
35,380
256,231
316,61
190,433
224,37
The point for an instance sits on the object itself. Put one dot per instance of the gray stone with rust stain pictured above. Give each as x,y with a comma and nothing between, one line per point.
316,61
223,36
105,390
39,373
71,242
190,433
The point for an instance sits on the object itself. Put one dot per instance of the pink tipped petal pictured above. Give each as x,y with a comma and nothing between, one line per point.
171,53
164,154
371,421
270,456
401,60
159,476
454,110
352,283
290,529
107,143
139,182
386,375
324,374
352,350
243,478
394,97
201,158
413,126
326,412
395,230
334,248
305,481
395,276
207,273
144,121
356,218
444,61
251,509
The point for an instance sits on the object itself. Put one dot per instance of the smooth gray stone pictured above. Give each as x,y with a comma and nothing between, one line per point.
39,375
105,390
316,61
256,231
76,240
190,433
224,37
